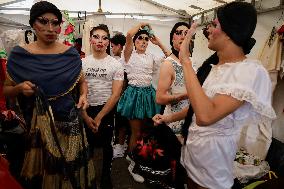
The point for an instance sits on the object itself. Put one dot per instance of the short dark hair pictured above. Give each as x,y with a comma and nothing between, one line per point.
118,39
100,27
41,8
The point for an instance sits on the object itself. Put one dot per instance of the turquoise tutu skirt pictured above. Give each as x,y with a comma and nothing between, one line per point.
138,103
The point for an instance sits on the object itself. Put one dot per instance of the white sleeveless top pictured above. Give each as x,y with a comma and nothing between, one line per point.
178,86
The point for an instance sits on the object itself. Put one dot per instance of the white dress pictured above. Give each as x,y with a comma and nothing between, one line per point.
210,150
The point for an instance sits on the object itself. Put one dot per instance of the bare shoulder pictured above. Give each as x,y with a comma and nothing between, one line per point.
61,48
29,47
167,65
56,49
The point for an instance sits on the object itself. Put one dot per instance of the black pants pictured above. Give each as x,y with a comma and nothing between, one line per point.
102,138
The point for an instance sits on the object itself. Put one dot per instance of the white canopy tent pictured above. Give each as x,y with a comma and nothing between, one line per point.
118,15
180,7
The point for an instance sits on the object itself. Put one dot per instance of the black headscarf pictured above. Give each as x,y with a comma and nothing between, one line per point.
238,21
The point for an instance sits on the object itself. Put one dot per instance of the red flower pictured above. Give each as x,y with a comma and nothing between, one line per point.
143,152
69,29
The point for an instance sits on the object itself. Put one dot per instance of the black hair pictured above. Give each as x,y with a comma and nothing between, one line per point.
41,8
178,24
238,20
118,39
100,27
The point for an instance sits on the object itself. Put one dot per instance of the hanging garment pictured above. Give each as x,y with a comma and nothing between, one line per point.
11,38
270,56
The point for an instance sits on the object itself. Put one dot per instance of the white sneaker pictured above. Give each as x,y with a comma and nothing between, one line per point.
118,151
136,177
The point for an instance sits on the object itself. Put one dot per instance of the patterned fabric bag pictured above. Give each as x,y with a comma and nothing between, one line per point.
156,154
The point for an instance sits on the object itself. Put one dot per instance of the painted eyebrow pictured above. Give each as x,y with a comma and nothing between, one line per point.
100,35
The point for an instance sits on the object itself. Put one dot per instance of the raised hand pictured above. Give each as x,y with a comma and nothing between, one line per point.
155,40
184,53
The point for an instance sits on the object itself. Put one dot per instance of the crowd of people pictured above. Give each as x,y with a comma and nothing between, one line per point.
71,106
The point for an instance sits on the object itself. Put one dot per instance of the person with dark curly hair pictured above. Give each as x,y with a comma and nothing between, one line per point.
117,43
44,76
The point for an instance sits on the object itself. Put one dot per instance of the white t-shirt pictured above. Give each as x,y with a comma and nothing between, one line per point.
100,74
210,150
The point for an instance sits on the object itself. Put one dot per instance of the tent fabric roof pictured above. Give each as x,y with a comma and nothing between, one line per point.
166,7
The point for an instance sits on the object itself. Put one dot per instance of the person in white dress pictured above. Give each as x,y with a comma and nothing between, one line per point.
237,91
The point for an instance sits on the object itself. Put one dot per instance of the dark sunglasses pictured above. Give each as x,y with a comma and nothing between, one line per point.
46,21
98,37
180,32
141,38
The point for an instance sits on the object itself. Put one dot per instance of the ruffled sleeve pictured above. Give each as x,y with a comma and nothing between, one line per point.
246,81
